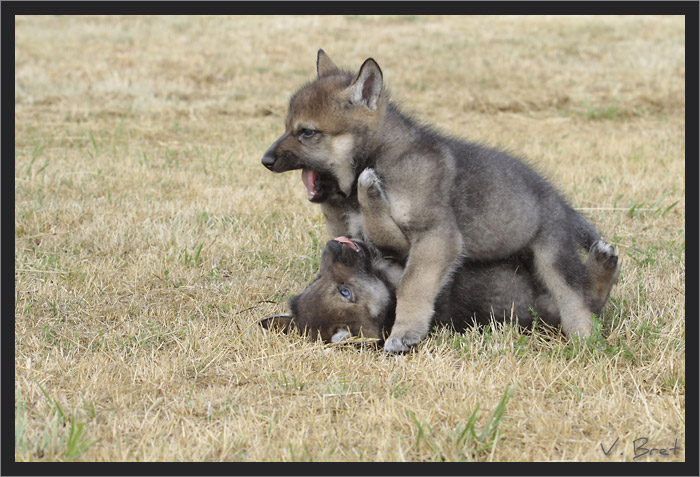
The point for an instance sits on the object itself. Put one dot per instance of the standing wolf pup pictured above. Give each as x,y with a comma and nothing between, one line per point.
448,199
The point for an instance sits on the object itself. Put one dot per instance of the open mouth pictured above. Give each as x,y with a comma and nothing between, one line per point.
320,185
310,179
346,241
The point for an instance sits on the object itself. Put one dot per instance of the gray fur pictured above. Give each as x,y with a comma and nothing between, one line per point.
449,200
479,293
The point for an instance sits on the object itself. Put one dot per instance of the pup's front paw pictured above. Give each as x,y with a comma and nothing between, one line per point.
580,326
340,336
401,344
368,183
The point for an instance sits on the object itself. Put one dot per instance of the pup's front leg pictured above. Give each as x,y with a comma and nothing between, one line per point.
431,260
378,223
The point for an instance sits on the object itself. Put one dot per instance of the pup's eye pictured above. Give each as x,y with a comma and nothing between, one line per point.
307,133
345,292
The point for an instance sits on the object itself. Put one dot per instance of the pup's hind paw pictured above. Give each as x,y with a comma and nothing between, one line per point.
604,254
369,183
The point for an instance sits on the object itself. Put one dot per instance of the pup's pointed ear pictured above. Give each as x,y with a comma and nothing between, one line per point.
283,322
367,87
324,64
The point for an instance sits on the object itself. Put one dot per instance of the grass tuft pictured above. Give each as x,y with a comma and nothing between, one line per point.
463,443
64,438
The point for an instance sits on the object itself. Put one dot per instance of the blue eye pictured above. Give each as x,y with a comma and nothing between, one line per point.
345,292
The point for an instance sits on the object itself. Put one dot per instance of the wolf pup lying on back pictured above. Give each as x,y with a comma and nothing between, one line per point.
354,293
448,199
353,297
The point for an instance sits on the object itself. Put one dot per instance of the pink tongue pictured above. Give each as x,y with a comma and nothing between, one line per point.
309,177
348,242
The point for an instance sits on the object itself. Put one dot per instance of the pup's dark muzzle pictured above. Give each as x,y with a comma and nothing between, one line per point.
268,161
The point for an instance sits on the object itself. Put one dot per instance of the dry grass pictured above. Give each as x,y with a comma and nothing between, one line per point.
150,240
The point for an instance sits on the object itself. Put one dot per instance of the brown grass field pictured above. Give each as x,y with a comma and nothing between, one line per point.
149,241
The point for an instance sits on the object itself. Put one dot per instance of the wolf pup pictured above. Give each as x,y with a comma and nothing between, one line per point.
448,199
353,297
354,293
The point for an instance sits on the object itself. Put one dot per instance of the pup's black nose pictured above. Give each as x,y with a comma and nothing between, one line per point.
268,161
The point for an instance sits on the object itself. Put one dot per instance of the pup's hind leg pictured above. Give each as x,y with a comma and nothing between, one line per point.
602,268
563,273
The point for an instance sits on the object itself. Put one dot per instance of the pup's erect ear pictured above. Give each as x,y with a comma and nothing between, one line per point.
367,87
324,64
283,322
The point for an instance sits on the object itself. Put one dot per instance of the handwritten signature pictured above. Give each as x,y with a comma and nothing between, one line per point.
641,449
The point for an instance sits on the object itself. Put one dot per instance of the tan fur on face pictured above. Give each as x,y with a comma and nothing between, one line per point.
377,296
322,311
340,161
